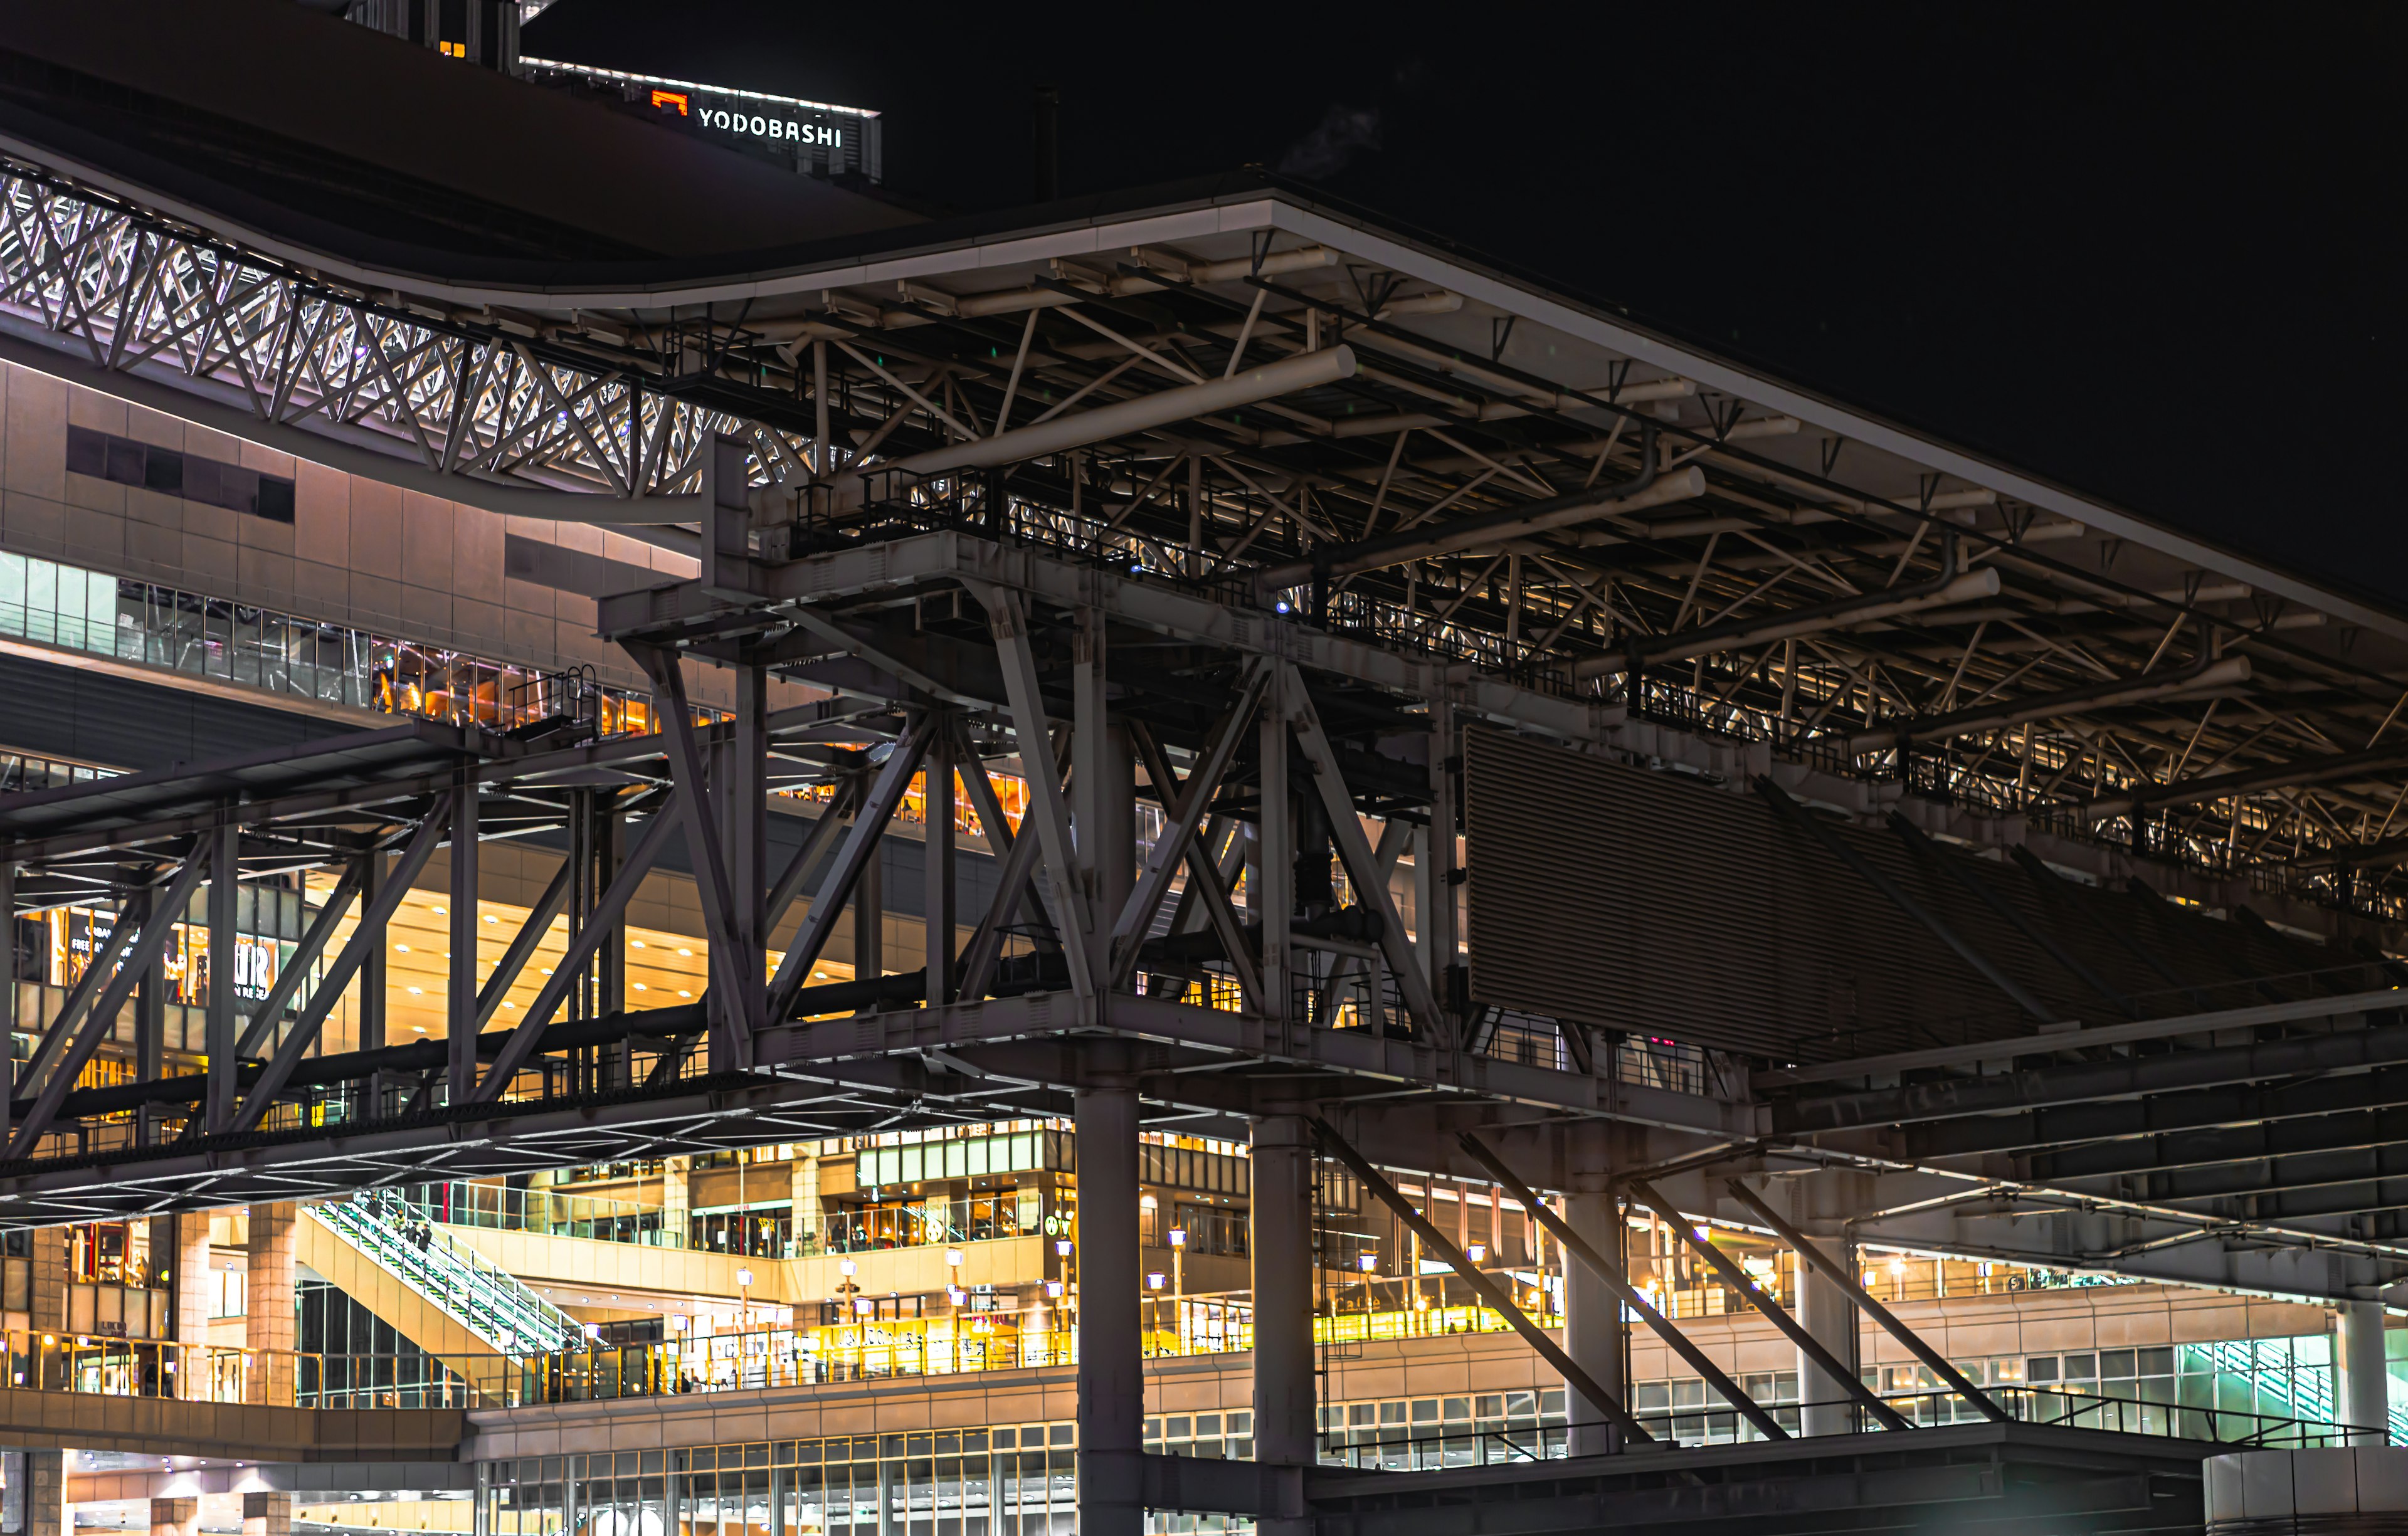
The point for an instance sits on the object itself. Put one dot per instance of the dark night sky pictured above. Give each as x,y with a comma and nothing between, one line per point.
2139,249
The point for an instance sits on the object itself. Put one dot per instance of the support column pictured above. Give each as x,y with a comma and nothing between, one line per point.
8,999
267,1314
1434,859
609,846
742,793
1111,1364
1115,810
184,1257
149,1037
1270,886
870,915
808,1219
676,1204
460,989
938,920
1594,1329
48,1268
267,1514
175,1517
45,1475
223,1026
1830,1320
1286,1422
372,980
2363,1390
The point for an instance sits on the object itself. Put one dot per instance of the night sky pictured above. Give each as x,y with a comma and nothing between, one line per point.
2151,252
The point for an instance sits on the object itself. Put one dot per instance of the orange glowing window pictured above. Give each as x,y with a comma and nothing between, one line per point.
671,98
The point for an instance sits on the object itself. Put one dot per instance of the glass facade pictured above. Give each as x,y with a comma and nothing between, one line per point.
201,636
1011,1480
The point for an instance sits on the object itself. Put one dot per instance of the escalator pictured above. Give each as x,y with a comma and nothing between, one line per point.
439,1293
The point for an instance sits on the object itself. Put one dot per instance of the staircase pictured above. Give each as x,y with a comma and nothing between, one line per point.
475,1295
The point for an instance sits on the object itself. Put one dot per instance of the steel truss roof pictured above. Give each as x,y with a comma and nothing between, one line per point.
1506,503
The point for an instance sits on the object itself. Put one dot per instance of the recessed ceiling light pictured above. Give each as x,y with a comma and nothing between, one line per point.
642,987
635,944
417,992
686,951
439,912
402,947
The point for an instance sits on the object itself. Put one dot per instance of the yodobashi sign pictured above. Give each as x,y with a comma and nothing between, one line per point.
807,135
761,126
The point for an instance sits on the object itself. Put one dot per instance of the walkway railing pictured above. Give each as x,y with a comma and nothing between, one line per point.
763,1360
1466,1447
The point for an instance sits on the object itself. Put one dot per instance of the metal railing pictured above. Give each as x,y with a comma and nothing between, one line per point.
1469,1445
497,1207
766,1359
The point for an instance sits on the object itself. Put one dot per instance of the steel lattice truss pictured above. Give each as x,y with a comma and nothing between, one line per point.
135,290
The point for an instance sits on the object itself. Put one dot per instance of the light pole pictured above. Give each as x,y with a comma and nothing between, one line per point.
1179,1281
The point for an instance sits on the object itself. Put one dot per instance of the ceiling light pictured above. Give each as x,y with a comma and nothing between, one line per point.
686,951
642,987
682,992
402,947
417,992
491,918
635,944
439,912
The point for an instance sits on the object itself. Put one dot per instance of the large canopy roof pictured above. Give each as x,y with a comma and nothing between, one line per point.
1781,567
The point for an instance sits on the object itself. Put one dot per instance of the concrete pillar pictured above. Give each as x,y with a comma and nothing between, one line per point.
675,1202
44,1479
1111,1364
2364,1388
266,1514
1284,1418
49,1271
1831,1317
1592,1321
175,1516
181,1244
807,1204
268,1317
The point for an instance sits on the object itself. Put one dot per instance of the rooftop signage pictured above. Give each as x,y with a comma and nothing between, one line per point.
819,137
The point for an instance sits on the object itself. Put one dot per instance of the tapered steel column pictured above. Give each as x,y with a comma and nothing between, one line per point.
1111,1365
1284,1419
1594,1329
372,983
936,884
